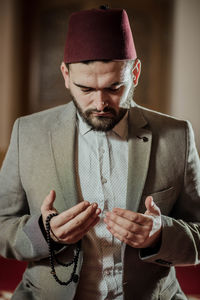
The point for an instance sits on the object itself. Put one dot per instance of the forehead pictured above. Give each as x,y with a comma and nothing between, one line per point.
99,72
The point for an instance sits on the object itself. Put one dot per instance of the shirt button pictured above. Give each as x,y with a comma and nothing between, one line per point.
102,150
103,180
107,272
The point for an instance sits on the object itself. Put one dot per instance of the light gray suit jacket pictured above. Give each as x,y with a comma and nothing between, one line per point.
164,164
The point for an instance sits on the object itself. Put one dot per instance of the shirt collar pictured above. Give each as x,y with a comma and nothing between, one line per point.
121,129
83,126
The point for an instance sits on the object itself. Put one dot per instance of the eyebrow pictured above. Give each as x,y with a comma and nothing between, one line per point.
88,87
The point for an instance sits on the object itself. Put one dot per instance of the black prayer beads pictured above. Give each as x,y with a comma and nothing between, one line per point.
52,257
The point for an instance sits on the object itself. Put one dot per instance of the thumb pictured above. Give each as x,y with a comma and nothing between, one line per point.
47,205
152,208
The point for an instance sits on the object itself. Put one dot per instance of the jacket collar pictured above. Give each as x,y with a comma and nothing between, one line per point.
63,142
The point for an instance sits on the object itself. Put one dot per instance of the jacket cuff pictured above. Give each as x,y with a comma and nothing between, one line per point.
146,252
33,231
158,254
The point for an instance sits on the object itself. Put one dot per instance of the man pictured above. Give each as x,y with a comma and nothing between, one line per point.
118,185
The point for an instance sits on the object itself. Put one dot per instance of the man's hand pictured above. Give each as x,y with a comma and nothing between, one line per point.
136,229
71,225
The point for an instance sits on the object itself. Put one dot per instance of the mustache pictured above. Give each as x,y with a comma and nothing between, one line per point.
106,110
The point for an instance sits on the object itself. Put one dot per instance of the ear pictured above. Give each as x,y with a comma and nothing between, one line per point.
136,71
65,73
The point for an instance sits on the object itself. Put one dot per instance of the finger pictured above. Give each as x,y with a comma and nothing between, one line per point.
133,243
85,226
81,218
75,224
152,208
47,204
119,229
75,237
71,213
140,236
125,223
131,216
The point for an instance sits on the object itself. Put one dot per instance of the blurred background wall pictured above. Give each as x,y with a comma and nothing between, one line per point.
185,97
32,35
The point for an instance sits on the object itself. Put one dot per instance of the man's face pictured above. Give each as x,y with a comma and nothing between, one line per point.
98,89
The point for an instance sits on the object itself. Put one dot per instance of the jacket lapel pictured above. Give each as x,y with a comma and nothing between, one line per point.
62,143
139,154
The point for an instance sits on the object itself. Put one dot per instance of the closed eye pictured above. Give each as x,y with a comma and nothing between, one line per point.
86,90
113,89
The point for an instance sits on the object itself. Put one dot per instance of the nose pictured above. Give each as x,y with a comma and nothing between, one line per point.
100,101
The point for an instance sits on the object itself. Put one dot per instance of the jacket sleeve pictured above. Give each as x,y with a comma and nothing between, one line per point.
180,243
20,234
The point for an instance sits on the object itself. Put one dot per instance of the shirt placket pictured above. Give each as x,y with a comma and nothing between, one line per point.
107,205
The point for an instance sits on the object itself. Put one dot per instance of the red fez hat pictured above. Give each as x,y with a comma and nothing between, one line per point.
99,34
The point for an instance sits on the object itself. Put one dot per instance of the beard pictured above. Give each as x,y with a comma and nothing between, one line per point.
101,123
